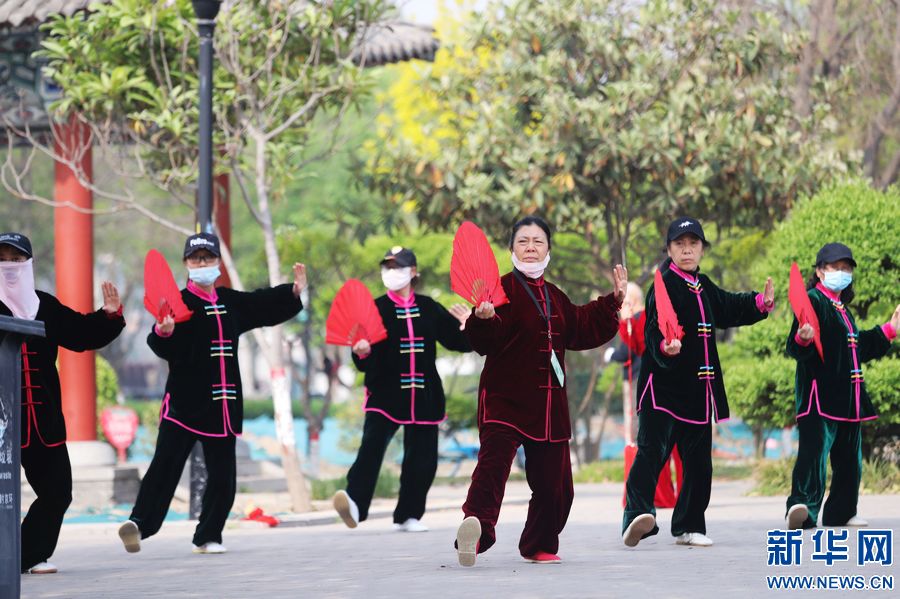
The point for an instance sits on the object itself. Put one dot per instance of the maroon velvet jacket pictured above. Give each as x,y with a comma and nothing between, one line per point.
518,387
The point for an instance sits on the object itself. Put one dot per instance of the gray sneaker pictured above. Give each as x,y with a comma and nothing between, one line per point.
637,529
796,516
467,537
131,536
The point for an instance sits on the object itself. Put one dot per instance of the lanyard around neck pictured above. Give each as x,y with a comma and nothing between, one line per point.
546,316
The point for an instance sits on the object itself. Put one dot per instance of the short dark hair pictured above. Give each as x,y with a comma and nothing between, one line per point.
530,220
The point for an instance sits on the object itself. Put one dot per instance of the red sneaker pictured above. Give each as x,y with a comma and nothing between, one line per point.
542,557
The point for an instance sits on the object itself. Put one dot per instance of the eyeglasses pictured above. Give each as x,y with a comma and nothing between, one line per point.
202,259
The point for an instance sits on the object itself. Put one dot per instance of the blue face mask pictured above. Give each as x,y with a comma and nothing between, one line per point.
204,276
837,280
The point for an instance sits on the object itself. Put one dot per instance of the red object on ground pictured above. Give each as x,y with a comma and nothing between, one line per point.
802,307
119,427
666,493
161,294
354,316
258,515
474,274
666,317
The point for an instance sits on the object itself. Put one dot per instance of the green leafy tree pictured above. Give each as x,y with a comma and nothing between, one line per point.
760,377
607,116
129,78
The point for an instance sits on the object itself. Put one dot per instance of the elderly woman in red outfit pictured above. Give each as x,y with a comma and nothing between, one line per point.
522,395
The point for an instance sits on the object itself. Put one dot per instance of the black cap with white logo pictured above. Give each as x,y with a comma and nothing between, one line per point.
202,241
685,226
18,241
399,257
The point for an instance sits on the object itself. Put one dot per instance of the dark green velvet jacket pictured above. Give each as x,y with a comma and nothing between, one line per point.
689,386
835,389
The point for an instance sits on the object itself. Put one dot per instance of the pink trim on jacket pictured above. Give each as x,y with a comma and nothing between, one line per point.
889,331
814,390
801,341
709,392
224,384
392,419
407,303
836,302
404,302
649,387
761,304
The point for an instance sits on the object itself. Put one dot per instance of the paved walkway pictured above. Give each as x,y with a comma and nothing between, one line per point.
372,561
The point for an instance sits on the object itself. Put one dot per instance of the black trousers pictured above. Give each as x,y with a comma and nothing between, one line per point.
658,432
819,438
49,473
420,443
173,446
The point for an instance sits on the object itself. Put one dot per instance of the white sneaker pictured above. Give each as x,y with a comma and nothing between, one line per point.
42,568
212,548
346,508
467,536
131,536
696,539
411,525
637,529
796,516
857,521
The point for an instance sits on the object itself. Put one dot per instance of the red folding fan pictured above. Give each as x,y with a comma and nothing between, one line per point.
665,313
354,316
161,294
474,274
802,307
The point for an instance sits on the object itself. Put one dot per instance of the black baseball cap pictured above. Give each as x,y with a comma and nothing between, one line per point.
685,226
399,256
832,252
202,241
18,241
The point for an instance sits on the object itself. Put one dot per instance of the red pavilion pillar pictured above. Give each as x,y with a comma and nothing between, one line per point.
74,239
222,216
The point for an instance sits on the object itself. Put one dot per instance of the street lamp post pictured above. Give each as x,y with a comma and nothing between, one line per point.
205,11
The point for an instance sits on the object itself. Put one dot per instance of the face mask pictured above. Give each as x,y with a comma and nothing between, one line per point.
17,288
11,275
396,279
532,270
204,276
837,280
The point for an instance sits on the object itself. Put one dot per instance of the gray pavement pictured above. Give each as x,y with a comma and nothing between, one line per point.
328,560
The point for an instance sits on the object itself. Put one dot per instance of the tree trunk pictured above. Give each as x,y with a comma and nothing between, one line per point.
275,354
759,441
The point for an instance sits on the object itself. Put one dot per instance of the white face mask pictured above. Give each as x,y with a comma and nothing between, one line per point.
17,288
396,279
532,270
